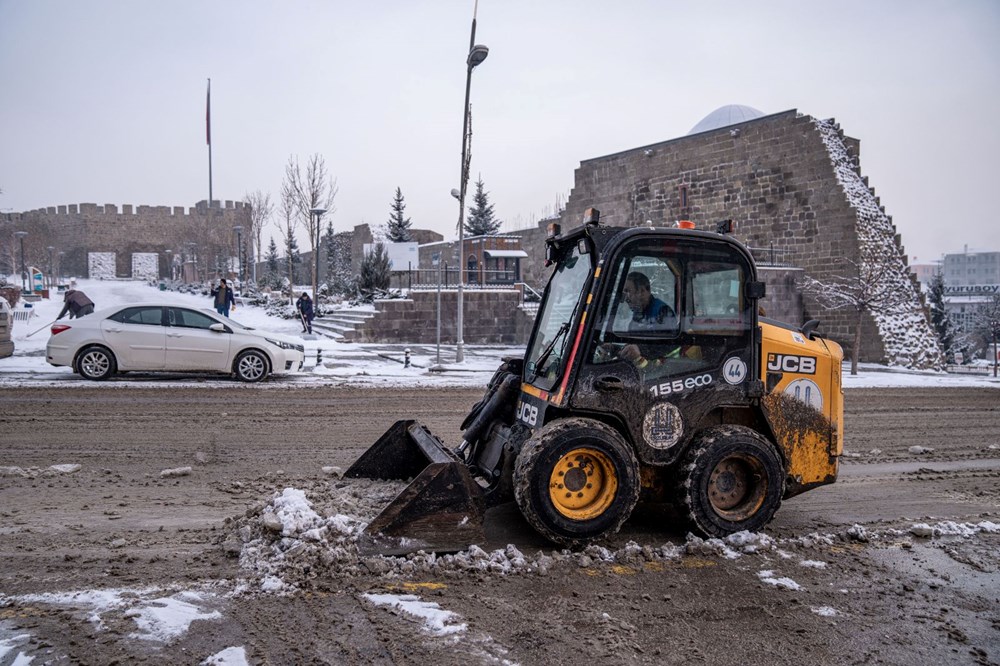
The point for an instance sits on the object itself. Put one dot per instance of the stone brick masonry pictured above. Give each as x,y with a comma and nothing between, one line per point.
774,176
80,229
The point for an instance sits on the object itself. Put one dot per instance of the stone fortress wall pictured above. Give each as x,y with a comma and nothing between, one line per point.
791,183
79,229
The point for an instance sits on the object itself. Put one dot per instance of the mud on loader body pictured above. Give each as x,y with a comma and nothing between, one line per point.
649,375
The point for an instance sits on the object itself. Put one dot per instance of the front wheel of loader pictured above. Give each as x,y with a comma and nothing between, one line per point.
731,479
576,480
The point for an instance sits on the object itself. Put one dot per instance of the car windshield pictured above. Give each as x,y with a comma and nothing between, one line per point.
545,358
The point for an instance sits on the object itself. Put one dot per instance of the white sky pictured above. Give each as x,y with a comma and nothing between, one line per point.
103,101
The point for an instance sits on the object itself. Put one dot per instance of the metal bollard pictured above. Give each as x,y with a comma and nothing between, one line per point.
319,356
406,357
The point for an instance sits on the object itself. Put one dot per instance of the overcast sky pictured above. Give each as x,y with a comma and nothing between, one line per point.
103,101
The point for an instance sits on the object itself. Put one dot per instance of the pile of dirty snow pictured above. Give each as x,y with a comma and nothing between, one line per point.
295,541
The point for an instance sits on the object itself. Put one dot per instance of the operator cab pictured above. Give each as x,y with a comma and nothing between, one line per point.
639,326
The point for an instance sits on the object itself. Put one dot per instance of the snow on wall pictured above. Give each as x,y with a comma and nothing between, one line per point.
145,265
906,334
101,265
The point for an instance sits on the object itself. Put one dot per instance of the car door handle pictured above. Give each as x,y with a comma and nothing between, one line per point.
112,329
609,384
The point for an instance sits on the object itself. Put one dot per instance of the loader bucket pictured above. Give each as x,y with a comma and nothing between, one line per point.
441,510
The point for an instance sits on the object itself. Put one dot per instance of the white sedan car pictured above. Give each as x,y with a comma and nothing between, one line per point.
170,338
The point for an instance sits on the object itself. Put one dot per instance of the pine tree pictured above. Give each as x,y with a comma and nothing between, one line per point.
939,317
331,257
293,257
398,226
374,270
273,278
481,220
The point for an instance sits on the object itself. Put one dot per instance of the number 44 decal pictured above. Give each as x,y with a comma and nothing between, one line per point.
734,371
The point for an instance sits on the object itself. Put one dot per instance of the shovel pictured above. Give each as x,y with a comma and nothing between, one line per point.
41,329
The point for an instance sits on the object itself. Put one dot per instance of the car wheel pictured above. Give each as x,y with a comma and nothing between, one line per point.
731,479
96,363
250,366
576,480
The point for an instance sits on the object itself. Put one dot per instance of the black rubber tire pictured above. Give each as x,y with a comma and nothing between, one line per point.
251,366
731,479
96,363
604,451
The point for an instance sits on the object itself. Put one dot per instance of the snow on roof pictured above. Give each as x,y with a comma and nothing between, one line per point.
724,116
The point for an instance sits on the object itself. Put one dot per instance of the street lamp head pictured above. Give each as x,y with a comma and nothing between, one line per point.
238,228
20,234
455,193
318,211
477,55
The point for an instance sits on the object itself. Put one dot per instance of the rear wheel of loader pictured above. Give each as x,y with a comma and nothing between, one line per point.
576,480
731,479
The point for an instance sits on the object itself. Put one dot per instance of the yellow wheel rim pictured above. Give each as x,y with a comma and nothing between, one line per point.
582,484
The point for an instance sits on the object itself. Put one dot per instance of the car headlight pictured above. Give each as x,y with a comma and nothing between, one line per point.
278,343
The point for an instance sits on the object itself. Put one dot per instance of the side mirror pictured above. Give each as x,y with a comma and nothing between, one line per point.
756,290
218,328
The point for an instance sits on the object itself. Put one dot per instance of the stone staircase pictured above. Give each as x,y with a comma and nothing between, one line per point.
341,324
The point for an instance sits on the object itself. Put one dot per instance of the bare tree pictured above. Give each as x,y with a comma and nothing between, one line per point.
875,286
261,210
311,189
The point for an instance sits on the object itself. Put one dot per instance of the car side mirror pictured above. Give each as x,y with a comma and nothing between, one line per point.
218,328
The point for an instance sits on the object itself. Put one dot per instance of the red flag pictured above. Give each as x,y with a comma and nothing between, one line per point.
208,114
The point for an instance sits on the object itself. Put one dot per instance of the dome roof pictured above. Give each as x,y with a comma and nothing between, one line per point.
724,116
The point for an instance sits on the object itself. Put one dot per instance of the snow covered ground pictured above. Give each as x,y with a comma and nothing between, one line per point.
329,362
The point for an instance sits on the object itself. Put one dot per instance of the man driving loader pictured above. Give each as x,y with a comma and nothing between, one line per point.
649,313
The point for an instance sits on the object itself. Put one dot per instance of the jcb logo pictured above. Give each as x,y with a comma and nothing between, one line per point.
527,413
803,365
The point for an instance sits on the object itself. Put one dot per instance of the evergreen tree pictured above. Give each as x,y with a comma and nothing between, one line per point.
293,257
273,277
481,220
939,317
398,227
374,271
331,257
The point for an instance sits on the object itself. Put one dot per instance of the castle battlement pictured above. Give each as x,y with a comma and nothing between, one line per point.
200,209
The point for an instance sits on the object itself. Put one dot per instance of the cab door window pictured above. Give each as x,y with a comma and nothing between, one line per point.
672,307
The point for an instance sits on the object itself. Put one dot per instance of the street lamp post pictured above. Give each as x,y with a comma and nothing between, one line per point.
239,253
994,327
24,266
50,249
318,212
194,260
170,264
477,54
59,271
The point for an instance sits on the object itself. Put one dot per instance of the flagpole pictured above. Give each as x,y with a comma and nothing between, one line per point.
208,138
